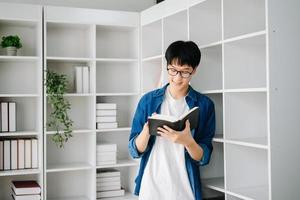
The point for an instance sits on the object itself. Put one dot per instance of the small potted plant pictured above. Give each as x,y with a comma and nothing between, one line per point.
11,43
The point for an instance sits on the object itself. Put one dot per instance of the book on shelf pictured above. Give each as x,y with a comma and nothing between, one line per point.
100,113
6,154
107,125
85,79
109,183
105,119
1,155
11,116
106,106
108,188
21,154
174,123
106,156
34,153
101,173
111,162
109,179
26,197
27,152
112,193
4,117
14,154
78,79
106,147
28,187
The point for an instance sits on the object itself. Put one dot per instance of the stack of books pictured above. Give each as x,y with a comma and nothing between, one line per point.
26,190
8,116
18,154
106,154
109,183
82,79
106,115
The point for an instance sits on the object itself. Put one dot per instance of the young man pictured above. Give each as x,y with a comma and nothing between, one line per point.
169,167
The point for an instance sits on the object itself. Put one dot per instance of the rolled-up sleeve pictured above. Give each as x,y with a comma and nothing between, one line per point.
208,133
138,122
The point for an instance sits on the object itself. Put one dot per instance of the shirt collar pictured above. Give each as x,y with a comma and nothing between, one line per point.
161,91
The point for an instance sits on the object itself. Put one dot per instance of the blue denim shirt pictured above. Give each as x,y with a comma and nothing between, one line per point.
203,134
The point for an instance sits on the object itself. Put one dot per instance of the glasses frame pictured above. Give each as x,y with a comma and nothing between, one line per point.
180,72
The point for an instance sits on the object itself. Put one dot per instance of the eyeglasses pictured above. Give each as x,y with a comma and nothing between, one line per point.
183,74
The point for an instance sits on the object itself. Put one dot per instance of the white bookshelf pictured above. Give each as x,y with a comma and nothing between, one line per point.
21,82
110,47
242,72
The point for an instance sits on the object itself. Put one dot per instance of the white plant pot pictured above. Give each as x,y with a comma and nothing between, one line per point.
11,51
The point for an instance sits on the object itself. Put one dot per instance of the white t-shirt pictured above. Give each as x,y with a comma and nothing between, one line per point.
165,176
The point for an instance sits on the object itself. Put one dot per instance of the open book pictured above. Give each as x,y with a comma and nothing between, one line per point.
174,123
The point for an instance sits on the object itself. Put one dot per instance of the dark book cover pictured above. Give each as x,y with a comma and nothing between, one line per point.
177,125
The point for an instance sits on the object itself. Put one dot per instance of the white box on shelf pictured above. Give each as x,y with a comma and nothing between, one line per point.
112,162
110,182
113,193
106,147
108,188
108,173
106,156
12,116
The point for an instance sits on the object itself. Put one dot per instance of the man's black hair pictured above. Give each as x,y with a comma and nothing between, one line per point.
183,53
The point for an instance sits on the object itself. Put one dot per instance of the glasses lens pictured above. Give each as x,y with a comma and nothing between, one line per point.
172,72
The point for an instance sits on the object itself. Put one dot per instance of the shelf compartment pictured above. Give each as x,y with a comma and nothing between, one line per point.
28,32
214,183
206,15
28,111
19,134
209,73
218,103
70,185
152,47
126,106
171,32
230,197
116,42
241,178
5,183
215,170
68,68
25,84
246,117
81,112
242,16
69,40
117,77
120,163
151,74
70,157
249,71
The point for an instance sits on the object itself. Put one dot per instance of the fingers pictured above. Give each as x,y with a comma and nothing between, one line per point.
187,124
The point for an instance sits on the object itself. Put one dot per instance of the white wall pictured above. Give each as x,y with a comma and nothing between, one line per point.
126,5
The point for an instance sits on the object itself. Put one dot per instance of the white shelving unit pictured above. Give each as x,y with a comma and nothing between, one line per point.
241,71
21,82
107,42
249,68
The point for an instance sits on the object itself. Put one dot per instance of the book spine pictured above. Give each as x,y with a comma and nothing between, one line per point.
14,154
4,116
27,153
34,153
21,154
6,154
1,156
12,116
78,75
102,125
86,79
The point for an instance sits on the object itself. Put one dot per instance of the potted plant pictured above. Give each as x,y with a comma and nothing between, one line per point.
11,43
56,86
